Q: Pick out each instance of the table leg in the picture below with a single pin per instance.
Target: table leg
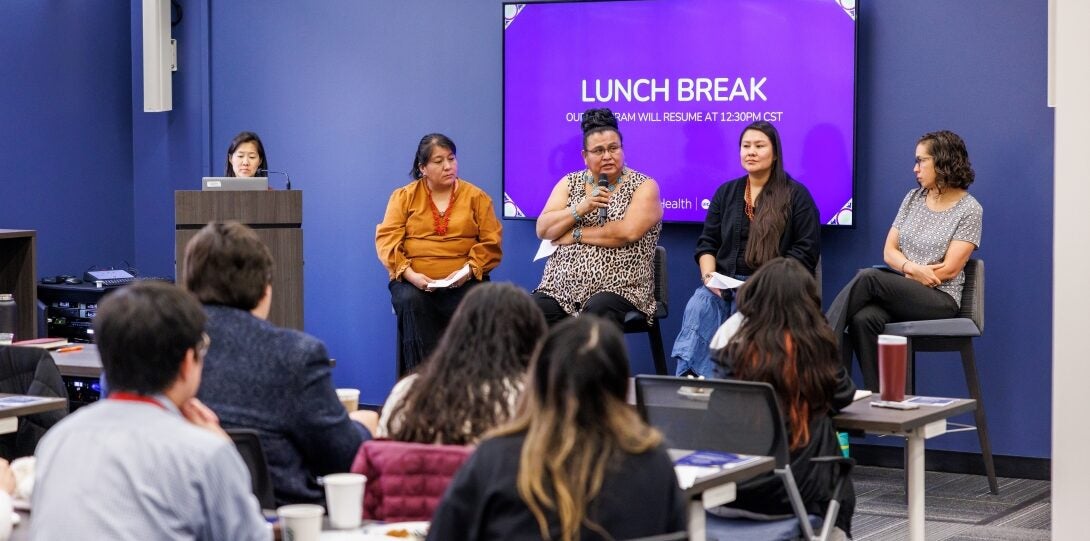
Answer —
(697, 522)
(914, 466)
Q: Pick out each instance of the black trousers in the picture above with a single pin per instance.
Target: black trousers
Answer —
(422, 317)
(878, 297)
(608, 305)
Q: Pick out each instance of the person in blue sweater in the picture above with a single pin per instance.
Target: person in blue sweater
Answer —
(263, 377)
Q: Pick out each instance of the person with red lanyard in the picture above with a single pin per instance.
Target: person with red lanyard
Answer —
(150, 461)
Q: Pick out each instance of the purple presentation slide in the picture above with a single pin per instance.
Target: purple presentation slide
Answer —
(684, 77)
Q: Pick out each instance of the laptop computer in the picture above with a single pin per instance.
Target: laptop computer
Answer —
(234, 184)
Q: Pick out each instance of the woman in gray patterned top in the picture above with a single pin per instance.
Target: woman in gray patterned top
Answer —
(936, 230)
(603, 265)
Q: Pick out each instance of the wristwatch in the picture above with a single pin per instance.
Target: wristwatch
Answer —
(577, 235)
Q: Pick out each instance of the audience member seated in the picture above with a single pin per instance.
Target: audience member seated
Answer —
(576, 462)
(601, 266)
(784, 340)
(26, 370)
(245, 156)
(471, 383)
(150, 461)
(752, 219)
(435, 227)
(259, 376)
(936, 229)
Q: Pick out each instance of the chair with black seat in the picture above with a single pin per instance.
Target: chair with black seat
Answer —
(635, 321)
(955, 334)
(249, 446)
(29, 371)
(738, 417)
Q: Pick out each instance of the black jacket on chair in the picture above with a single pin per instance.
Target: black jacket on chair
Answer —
(30, 371)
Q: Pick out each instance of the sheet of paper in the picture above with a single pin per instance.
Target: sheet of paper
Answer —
(725, 331)
(861, 394)
(721, 281)
(545, 249)
(440, 284)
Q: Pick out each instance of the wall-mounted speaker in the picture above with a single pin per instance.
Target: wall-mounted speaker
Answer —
(159, 56)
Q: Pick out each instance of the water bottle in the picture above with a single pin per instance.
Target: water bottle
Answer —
(9, 314)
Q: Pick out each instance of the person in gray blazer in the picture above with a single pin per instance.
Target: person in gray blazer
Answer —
(263, 377)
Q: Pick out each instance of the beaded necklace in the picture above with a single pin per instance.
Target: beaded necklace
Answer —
(749, 202)
(441, 218)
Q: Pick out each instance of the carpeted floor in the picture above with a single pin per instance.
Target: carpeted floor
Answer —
(958, 507)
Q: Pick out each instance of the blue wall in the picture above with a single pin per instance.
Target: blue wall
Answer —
(66, 131)
(342, 90)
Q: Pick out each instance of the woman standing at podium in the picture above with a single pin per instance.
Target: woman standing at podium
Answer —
(440, 236)
(245, 156)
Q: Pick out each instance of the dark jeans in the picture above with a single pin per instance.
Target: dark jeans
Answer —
(608, 305)
(422, 317)
(878, 297)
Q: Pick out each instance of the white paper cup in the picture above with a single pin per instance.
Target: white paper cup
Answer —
(350, 398)
(344, 499)
(300, 521)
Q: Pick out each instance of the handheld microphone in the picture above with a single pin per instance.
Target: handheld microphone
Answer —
(603, 182)
(287, 179)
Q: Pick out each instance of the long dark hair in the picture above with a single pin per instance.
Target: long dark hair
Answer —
(785, 341)
(952, 167)
(465, 387)
(576, 421)
(770, 220)
(245, 137)
(423, 151)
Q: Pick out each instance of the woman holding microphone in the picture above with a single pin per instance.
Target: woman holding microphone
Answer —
(606, 220)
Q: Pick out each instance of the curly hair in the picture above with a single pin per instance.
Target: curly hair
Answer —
(952, 165)
(467, 385)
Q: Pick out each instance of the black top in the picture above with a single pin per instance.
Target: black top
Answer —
(766, 494)
(639, 497)
(726, 229)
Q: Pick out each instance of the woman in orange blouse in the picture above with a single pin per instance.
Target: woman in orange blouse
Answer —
(437, 228)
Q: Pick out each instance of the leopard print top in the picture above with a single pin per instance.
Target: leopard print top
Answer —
(577, 271)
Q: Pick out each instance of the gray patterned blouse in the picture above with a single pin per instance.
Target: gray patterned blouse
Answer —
(925, 234)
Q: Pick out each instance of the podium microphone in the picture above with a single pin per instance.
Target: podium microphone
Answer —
(603, 182)
(287, 179)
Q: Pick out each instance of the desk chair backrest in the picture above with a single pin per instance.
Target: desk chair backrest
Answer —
(30, 371)
(972, 293)
(715, 415)
(249, 447)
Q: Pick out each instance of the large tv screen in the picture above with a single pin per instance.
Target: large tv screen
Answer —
(684, 77)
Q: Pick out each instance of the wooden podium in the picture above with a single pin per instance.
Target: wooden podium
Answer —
(276, 216)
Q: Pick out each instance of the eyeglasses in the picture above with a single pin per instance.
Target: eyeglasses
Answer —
(598, 152)
(923, 159)
(202, 347)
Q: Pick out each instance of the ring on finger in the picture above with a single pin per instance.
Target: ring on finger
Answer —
(596, 191)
